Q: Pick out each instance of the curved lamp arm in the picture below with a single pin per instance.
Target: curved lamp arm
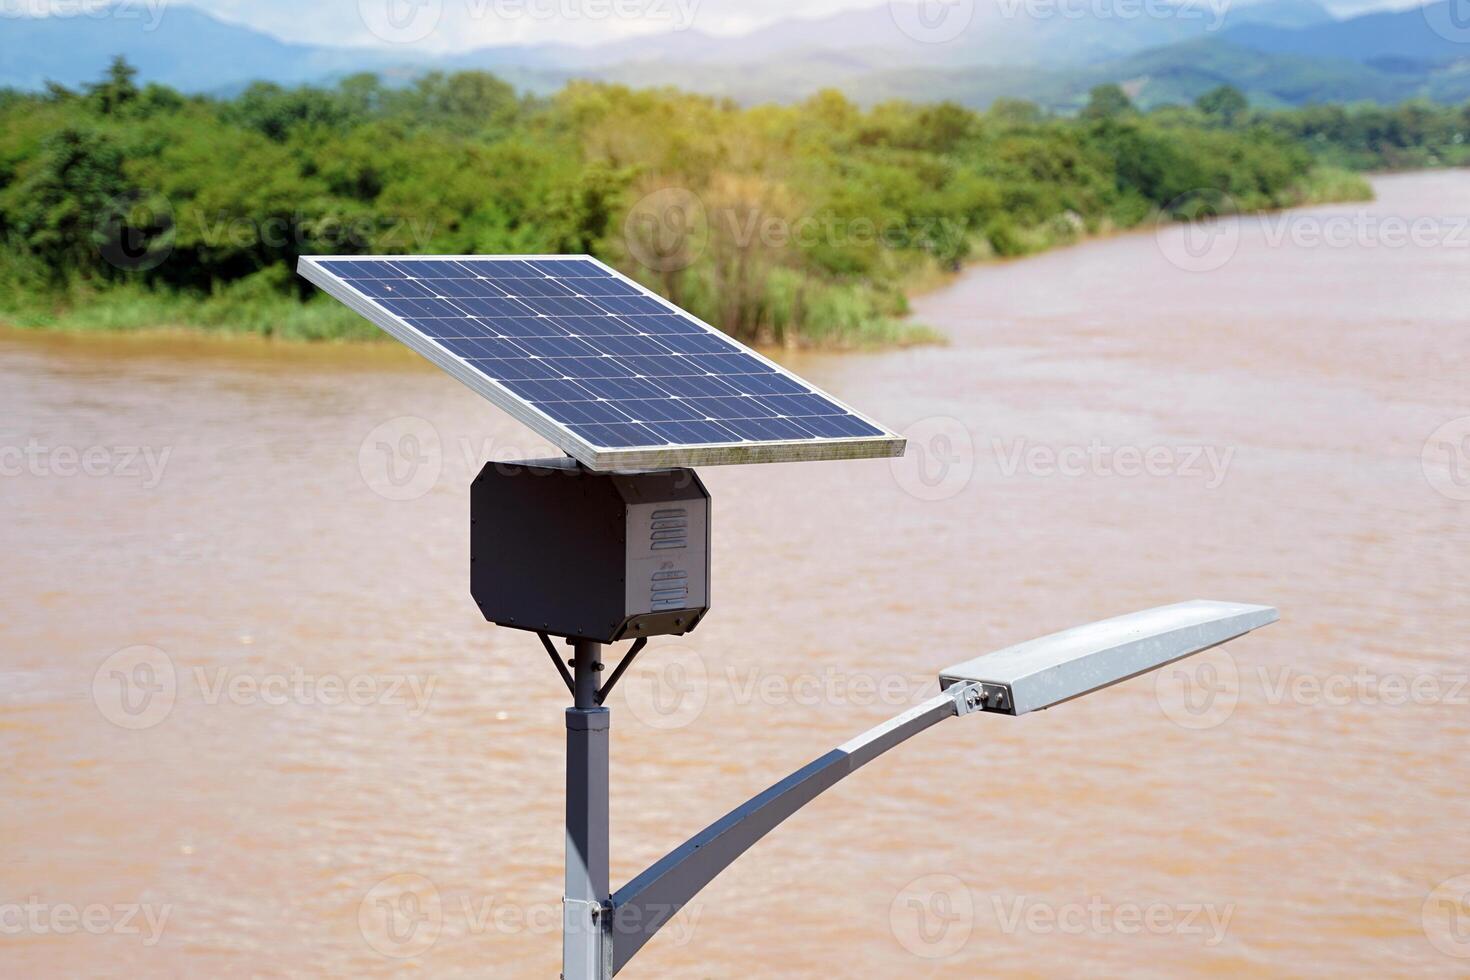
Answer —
(644, 904)
(1026, 677)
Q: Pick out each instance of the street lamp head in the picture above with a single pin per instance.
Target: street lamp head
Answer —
(1046, 671)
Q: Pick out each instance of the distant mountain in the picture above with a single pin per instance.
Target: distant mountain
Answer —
(1279, 52)
(186, 48)
(1177, 74)
(183, 47)
(1181, 73)
(998, 32)
(1281, 13)
(1397, 37)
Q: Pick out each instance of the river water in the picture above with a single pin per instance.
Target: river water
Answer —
(252, 725)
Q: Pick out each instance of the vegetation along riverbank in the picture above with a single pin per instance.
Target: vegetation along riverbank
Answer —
(131, 207)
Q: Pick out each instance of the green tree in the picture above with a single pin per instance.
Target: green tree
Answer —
(117, 91)
(277, 113)
(467, 101)
(1225, 103)
(62, 196)
(1107, 102)
(1015, 111)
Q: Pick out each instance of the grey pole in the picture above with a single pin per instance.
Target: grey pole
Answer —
(584, 954)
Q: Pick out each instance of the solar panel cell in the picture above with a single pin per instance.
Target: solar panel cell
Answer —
(694, 387)
(698, 343)
(613, 436)
(766, 384)
(534, 287)
(455, 287)
(614, 375)
(631, 304)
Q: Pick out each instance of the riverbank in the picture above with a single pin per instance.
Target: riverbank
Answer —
(134, 308)
(125, 208)
(1322, 185)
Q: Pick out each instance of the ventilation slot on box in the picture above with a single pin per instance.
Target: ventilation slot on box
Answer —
(670, 589)
(670, 529)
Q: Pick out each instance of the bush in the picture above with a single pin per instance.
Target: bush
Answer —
(792, 224)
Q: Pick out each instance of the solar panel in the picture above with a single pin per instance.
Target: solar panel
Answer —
(609, 372)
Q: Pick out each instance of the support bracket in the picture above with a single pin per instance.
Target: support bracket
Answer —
(566, 675)
(623, 664)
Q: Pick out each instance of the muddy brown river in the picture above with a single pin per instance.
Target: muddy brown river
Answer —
(251, 723)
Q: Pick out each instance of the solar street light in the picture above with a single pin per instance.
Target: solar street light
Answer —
(612, 543)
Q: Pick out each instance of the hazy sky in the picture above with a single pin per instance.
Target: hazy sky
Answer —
(471, 23)
(464, 24)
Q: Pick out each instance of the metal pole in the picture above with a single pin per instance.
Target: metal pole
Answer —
(585, 955)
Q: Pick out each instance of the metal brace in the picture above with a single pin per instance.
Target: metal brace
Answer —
(972, 696)
(968, 698)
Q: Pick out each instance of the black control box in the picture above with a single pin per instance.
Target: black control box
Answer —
(560, 549)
